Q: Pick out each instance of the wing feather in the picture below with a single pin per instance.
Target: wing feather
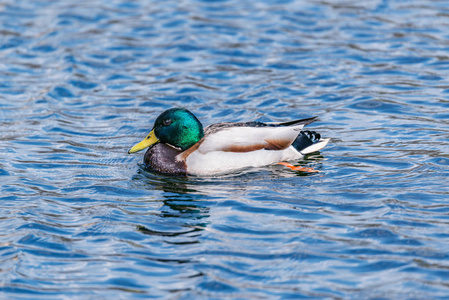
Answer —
(246, 139)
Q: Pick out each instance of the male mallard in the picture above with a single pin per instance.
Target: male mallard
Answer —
(179, 145)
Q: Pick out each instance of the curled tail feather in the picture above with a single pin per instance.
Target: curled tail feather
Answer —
(309, 141)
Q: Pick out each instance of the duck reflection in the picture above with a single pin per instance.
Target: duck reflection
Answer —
(182, 201)
(187, 199)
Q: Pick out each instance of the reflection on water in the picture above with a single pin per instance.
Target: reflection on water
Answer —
(82, 81)
(181, 201)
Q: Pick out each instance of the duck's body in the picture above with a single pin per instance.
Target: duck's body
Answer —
(178, 144)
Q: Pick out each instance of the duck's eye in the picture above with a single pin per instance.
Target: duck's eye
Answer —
(167, 122)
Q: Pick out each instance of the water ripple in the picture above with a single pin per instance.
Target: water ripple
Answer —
(81, 82)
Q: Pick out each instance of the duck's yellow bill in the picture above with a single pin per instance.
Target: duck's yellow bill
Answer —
(151, 139)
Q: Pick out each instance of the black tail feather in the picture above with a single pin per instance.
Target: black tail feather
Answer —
(299, 122)
(305, 139)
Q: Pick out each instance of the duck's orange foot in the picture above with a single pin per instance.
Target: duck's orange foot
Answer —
(298, 168)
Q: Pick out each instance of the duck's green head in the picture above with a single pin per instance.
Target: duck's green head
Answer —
(177, 127)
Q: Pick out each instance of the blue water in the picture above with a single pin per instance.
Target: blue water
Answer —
(82, 81)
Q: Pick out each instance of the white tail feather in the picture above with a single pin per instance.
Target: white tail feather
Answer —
(315, 147)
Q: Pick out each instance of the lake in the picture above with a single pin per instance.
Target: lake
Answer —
(82, 81)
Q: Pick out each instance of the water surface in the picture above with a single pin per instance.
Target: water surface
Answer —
(82, 81)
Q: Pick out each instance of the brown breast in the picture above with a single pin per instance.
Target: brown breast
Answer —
(162, 158)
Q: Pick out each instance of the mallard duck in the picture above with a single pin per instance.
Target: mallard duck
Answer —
(179, 144)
